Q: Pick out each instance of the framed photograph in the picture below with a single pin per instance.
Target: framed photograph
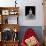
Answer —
(30, 12)
(13, 12)
(5, 12)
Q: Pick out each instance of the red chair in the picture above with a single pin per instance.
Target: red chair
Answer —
(29, 33)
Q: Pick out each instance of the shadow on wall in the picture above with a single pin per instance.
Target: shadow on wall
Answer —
(37, 29)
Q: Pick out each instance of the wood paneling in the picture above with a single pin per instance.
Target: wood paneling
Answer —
(44, 12)
(44, 21)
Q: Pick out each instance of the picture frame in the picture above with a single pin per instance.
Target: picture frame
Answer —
(5, 12)
(13, 12)
(30, 12)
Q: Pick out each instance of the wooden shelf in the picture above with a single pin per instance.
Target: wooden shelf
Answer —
(5, 11)
(11, 26)
(9, 43)
(4, 24)
(5, 8)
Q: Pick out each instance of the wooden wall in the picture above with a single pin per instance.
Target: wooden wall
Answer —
(44, 12)
(44, 21)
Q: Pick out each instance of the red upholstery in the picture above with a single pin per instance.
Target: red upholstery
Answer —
(29, 33)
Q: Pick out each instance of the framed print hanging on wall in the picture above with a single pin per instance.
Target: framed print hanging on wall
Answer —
(30, 12)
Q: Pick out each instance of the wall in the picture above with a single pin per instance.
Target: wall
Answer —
(38, 21)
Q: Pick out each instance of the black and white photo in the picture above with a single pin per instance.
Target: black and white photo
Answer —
(30, 12)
